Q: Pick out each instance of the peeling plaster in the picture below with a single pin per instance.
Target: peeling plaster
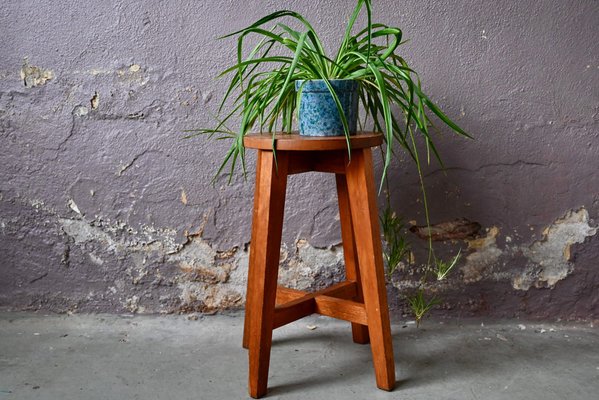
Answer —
(133, 74)
(547, 261)
(484, 256)
(210, 280)
(95, 101)
(207, 280)
(550, 257)
(33, 76)
(118, 237)
(80, 111)
(183, 196)
(73, 206)
(309, 265)
(132, 304)
(215, 281)
(203, 276)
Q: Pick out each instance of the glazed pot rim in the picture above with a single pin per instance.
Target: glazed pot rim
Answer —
(330, 80)
(318, 85)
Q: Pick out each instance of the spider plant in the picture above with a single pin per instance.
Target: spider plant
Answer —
(261, 92)
(261, 96)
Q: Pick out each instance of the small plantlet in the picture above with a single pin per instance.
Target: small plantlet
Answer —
(396, 245)
(420, 306)
(442, 268)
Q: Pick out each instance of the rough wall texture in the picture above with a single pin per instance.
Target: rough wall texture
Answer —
(103, 207)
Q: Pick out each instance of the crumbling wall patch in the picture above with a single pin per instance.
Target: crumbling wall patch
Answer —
(550, 257)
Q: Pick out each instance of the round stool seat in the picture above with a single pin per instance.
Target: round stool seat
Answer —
(296, 142)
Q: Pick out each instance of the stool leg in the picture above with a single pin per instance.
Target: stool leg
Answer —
(264, 257)
(352, 272)
(250, 277)
(360, 183)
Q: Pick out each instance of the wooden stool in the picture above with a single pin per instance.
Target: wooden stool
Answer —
(362, 298)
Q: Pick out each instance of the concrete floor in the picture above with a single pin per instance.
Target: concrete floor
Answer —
(170, 357)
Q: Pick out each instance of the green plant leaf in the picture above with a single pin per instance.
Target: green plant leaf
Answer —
(420, 306)
(442, 268)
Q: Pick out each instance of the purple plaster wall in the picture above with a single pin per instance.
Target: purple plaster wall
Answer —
(103, 206)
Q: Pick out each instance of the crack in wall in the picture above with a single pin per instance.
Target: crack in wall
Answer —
(484, 166)
(72, 130)
(128, 165)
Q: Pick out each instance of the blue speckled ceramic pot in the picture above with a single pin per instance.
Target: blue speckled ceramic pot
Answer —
(318, 113)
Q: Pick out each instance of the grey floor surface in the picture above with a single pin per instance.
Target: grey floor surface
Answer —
(170, 357)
